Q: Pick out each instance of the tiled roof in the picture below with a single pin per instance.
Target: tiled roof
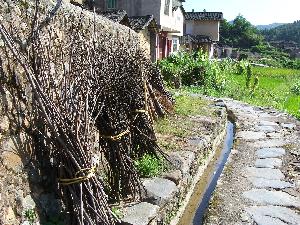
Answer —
(203, 16)
(177, 4)
(138, 23)
(114, 15)
(196, 39)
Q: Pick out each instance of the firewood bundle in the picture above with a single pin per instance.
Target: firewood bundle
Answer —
(88, 79)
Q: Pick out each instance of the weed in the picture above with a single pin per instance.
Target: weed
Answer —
(30, 215)
(296, 88)
(117, 212)
(149, 166)
(248, 76)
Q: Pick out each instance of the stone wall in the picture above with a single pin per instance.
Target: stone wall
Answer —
(26, 181)
(166, 197)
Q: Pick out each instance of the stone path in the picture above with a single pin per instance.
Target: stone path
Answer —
(260, 184)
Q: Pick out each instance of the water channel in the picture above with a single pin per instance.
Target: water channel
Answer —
(199, 201)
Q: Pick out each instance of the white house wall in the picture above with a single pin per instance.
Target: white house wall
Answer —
(178, 18)
(173, 21)
(203, 27)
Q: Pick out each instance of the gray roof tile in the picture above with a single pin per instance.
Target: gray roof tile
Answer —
(203, 16)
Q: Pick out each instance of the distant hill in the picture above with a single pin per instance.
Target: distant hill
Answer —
(269, 26)
(286, 32)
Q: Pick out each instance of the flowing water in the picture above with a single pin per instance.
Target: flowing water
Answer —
(195, 211)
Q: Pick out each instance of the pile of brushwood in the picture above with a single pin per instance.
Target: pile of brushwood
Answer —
(81, 76)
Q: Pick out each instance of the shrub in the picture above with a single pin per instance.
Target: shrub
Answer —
(195, 69)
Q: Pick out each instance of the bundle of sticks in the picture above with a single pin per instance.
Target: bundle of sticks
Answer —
(87, 77)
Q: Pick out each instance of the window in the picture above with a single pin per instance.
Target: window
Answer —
(167, 7)
(111, 4)
(175, 44)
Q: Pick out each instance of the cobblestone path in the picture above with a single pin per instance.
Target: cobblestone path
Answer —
(260, 183)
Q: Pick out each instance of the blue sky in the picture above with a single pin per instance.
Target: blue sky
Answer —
(258, 12)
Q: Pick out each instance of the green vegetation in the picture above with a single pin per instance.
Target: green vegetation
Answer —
(165, 126)
(189, 106)
(195, 69)
(252, 44)
(273, 87)
(30, 216)
(240, 33)
(117, 212)
(149, 166)
(296, 88)
(174, 130)
(286, 32)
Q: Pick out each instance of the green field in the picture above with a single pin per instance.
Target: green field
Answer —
(274, 89)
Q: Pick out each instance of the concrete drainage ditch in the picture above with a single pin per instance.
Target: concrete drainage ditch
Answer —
(182, 195)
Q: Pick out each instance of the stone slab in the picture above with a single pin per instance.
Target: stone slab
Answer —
(250, 135)
(220, 104)
(266, 173)
(198, 142)
(265, 129)
(289, 126)
(269, 143)
(286, 215)
(267, 220)
(159, 190)
(175, 176)
(267, 183)
(139, 214)
(28, 203)
(268, 163)
(274, 135)
(267, 123)
(182, 160)
(265, 197)
(270, 152)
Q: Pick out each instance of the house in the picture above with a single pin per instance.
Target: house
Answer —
(145, 26)
(147, 29)
(223, 51)
(201, 30)
(168, 14)
(118, 16)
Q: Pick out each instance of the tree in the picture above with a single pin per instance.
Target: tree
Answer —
(241, 33)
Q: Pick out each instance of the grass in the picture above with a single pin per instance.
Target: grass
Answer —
(174, 130)
(275, 89)
(190, 106)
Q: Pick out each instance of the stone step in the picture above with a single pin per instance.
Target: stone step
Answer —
(266, 173)
(139, 214)
(265, 197)
(250, 135)
(159, 190)
(283, 214)
(267, 183)
(270, 152)
(268, 163)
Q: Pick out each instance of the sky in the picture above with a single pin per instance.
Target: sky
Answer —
(258, 12)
